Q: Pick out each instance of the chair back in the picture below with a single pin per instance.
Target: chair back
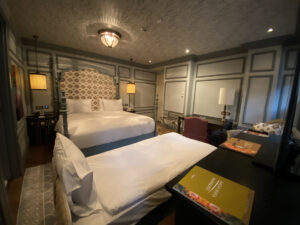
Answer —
(196, 128)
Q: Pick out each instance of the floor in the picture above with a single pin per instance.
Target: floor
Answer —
(36, 155)
(40, 154)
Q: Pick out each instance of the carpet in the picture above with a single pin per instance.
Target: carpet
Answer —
(36, 205)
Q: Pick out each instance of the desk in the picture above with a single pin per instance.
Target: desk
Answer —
(213, 124)
(276, 201)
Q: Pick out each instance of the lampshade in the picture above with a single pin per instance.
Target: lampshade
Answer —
(226, 96)
(38, 81)
(109, 38)
(130, 88)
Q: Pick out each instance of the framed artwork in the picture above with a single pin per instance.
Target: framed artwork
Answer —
(16, 88)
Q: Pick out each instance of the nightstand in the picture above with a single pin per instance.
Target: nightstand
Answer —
(41, 129)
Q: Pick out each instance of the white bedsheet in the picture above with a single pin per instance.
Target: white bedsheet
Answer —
(97, 128)
(128, 174)
(128, 216)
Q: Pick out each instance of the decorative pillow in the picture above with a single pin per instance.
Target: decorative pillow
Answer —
(112, 105)
(77, 177)
(274, 128)
(79, 105)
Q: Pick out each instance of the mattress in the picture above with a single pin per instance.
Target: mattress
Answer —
(129, 174)
(128, 216)
(97, 128)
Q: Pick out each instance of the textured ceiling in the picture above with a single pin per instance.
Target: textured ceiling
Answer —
(203, 26)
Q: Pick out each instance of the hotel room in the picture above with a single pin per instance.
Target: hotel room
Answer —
(109, 107)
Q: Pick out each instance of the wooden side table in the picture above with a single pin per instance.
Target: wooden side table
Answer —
(41, 129)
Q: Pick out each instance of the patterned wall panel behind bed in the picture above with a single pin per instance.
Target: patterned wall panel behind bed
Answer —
(88, 84)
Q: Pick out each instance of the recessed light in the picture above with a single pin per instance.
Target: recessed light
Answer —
(150, 61)
(187, 51)
(270, 30)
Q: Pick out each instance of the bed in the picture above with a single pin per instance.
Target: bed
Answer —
(128, 182)
(99, 130)
(95, 132)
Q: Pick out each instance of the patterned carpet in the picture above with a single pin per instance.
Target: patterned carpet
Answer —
(162, 130)
(36, 204)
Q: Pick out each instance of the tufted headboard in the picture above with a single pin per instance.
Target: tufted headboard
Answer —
(89, 84)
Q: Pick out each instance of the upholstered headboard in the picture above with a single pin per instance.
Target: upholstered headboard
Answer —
(88, 84)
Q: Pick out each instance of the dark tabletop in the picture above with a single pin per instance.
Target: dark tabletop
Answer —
(277, 198)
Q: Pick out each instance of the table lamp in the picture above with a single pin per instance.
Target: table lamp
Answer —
(226, 97)
(130, 90)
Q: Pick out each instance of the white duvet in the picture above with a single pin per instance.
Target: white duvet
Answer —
(126, 175)
(97, 128)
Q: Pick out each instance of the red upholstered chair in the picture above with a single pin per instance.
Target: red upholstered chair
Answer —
(196, 128)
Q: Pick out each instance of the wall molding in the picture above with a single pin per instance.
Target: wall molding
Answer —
(285, 76)
(150, 80)
(267, 99)
(185, 92)
(223, 60)
(42, 52)
(287, 58)
(145, 107)
(237, 113)
(176, 66)
(124, 67)
(78, 65)
(262, 53)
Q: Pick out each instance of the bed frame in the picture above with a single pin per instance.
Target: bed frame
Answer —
(62, 106)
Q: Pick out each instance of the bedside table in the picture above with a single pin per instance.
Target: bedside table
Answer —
(41, 129)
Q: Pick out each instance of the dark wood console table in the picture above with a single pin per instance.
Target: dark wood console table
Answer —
(276, 201)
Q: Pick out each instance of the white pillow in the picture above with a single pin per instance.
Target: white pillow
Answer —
(77, 177)
(112, 105)
(79, 105)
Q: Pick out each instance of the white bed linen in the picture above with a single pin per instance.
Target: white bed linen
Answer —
(128, 216)
(128, 174)
(97, 128)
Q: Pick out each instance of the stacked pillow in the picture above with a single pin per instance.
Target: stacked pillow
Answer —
(77, 177)
(270, 128)
(79, 105)
(85, 105)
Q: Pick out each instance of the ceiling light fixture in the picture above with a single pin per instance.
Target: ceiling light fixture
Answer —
(187, 51)
(270, 30)
(109, 38)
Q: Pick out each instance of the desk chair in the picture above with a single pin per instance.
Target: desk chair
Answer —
(196, 128)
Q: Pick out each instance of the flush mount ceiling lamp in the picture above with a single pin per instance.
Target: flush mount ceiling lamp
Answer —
(109, 38)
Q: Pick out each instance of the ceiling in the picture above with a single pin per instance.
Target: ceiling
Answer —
(203, 26)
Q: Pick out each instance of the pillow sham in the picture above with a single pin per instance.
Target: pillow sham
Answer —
(79, 105)
(77, 177)
(273, 128)
(112, 105)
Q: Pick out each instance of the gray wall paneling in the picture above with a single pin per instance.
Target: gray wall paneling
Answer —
(52, 61)
(216, 73)
(15, 57)
(208, 95)
(175, 96)
(176, 101)
(262, 73)
(257, 99)
(228, 66)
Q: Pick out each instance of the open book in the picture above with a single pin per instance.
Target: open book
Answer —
(223, 198)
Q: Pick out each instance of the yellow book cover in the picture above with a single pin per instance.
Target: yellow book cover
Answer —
(229, 201)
